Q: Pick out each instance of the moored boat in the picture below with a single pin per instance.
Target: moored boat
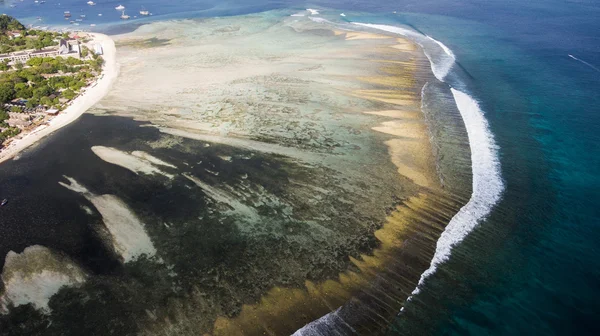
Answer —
(4, 201)
(120, 7)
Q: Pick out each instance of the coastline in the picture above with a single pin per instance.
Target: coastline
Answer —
(370, 209)
(79, 105)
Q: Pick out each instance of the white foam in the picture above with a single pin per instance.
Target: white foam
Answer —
(584, 62)
(342, 14)
(443, 46)
(441, 64)
(35, 275)
(127, 235)
(487, 182)
(319, 19)
(313, 328)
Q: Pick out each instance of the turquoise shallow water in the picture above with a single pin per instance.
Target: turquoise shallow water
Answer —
(532, 266)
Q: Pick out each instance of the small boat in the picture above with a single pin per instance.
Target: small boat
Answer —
(82, 15)
(144, 12)
(67, 14)
(124, 16)
(120, 7)
(4, 201)
(78, 20)
(91, 3)
(100, 14)
(93, 25)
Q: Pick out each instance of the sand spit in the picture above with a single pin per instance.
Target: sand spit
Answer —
(86, 100)
(128, 237)
(245, 144)
(35, 275)
(138, 162)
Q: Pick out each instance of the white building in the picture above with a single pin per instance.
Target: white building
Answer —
(98, 49)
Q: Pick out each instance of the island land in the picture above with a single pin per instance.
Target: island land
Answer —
(47, 80)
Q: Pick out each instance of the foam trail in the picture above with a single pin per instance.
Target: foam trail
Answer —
(584, 62)
(441, 63)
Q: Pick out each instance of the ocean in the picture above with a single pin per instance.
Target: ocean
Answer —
(528, 262)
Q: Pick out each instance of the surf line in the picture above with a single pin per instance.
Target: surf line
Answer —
(584, 62)
(487, 179)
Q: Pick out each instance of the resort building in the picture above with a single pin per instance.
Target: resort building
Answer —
(13, 34)
(20, 120)
(66, 48)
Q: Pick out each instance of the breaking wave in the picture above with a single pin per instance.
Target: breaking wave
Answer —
(487, 182)
(487, 179)
(441, 62)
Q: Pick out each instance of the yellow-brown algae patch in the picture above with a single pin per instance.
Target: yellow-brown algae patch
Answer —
(404, 45)
(411, 158)
(282, 310)
(402, 128)
(397, 114)
(388, 81)
(386, 96)
(364, 36)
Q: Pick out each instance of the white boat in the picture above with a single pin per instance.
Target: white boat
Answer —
(144, 12)
(93, 25)
(120, 7)
(124, 16)
(91, 3)
(100, 14)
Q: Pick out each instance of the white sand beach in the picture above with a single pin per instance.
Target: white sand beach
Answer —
(81, 104)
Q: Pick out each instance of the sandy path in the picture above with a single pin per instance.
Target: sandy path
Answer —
(86, 100)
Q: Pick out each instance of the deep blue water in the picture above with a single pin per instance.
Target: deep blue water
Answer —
(532, 266)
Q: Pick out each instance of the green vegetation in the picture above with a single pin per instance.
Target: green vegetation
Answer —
(29, 39)
(6, 131)
(47, 81)
(9, 23)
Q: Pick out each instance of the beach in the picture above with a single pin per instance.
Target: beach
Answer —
(78, 106)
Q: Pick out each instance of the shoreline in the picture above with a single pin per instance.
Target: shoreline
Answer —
(82, 103)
